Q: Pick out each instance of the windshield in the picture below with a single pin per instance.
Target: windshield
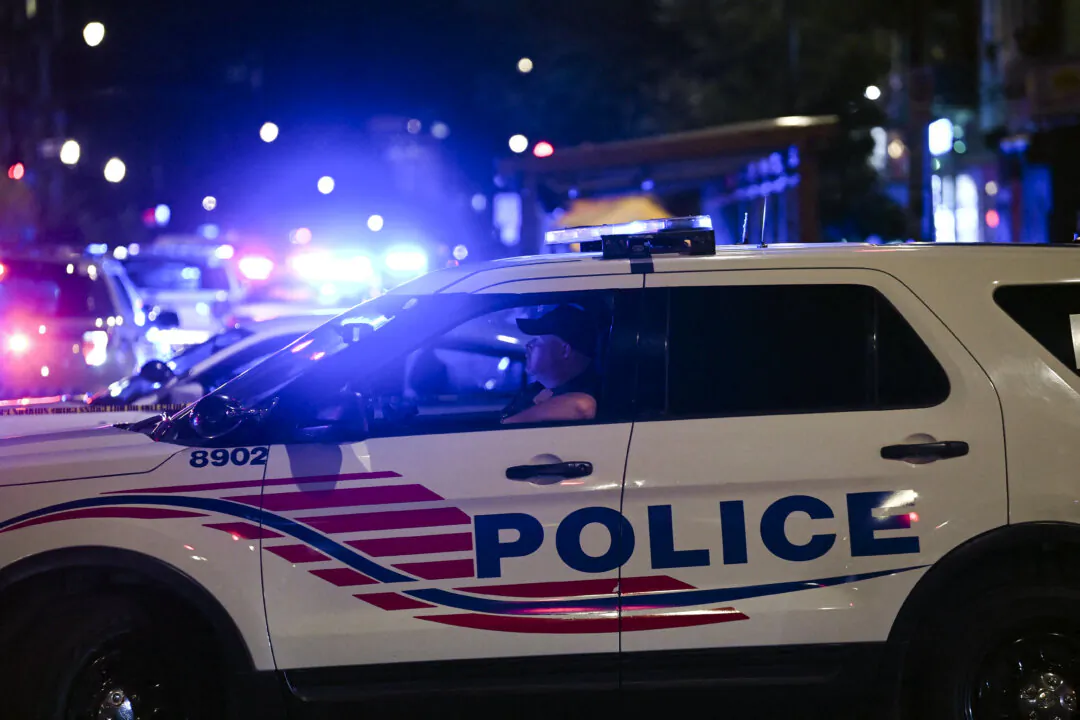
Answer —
(53, 289)
(155, 273)
(399, 321)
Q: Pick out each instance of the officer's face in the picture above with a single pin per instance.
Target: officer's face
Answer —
(544, 353)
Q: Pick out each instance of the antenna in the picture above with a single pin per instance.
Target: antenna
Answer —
(745, 228)
(764, 213)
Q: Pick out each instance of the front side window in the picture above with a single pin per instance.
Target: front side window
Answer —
(785, 349)
(411, 365)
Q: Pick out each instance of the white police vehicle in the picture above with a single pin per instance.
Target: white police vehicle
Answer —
(806, 464)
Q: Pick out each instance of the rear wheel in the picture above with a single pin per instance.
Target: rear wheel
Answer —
(111, 658)
(1008, 653)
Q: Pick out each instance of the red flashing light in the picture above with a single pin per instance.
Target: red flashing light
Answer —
(993, 219)
(16, 171)
(543, 149)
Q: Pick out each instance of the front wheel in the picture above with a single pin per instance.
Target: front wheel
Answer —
(110, 658)
(1010, 653)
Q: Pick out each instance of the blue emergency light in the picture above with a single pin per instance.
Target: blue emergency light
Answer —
(642, 238)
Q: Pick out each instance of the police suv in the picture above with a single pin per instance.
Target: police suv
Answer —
(801, 464)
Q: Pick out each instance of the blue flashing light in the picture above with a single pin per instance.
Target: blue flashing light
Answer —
(636, 227)
(97, 249)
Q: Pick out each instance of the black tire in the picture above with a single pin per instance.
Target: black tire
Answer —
(111, 648)
(979, 658)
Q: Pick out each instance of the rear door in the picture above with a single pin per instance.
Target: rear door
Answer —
(811, 441)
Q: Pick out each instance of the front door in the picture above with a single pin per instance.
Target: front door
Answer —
(430, 539)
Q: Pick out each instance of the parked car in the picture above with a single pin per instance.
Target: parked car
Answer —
(69, 324)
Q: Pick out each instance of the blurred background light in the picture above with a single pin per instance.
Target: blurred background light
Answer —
(93, 33)
(268, 132)
(543, 149)
(525, 65)
(209, 203)
(873, 92)
(940, 136)
(406, 260)
(460, 252)
(115, 170)
(302, 236)
(440, 130)
(375, 223)
(326, 184)
(414, 126)
(162, 215)
(479, 202)
(519, 143)
(224, 252)
(70, 152)
(256, 267)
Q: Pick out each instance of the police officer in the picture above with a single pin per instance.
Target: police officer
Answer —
(560, 356)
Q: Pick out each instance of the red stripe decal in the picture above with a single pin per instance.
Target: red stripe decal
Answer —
(343, 577)
(256, 483)
(654, 583)
(130, 513)
(569, 588)
(572, 626)
(414, 545)
(393, 601)
(245, 531)
(315, 499)
(297, 553)
(392, 520)
(441, 570)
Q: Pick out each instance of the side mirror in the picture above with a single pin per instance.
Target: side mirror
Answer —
(353, 331)
(156, 371)
(216, 416)
(166, 320)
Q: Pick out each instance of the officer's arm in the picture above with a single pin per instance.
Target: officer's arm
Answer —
(562, 408)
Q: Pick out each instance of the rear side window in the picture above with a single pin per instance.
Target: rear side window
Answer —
(1050, 314)
(754, 350)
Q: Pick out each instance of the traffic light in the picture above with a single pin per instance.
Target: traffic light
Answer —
(16, 171)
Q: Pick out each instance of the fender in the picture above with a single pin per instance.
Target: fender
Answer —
(151, 570)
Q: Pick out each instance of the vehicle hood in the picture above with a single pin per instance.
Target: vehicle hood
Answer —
(76, 453)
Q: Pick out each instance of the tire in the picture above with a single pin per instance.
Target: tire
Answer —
(991, 656)
(110, 656)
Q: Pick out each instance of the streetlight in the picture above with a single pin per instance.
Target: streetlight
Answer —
(873, 92)
(326, 184)
(268, 132)
(209, 203)
(70, 152)
(525, 65)
(375, 223)
(93, 33)
(115, 170)
(519, 143)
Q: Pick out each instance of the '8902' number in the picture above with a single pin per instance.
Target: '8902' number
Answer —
(222, 457)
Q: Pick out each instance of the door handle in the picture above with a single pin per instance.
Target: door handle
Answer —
(942, 450)
(550, 470)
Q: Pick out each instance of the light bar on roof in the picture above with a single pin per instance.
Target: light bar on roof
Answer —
(641, 238)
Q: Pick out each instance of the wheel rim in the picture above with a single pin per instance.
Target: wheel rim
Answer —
(125, 680)
(1033, 676)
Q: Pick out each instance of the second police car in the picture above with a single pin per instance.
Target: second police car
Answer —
(783, 464)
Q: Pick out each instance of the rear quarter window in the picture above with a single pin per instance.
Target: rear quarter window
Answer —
(1050, 314)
